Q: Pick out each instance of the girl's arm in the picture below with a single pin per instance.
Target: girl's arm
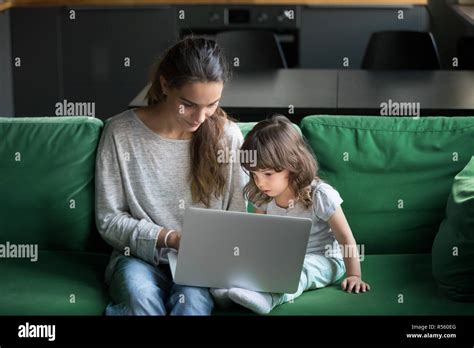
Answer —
(343, 234)
(258, 211)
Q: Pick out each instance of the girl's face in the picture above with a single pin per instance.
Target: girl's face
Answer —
(193, 103)
(270, 182)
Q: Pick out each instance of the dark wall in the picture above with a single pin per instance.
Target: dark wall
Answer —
(99, 44)
(79, 54)
(85, 55)
(328, 34)
(448, 26)
(6, 78)
(35, 36)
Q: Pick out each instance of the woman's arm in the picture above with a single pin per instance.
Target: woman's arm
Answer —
(345, 238)
(114, 222)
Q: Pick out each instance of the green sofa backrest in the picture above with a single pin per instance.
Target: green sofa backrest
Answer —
(393, 173)
(246, 127)
(47, 182)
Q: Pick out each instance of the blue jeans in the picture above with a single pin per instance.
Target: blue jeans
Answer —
(138, 288)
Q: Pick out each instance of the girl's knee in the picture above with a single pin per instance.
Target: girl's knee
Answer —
(322, 271)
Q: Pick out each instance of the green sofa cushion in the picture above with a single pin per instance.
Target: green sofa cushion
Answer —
(390, 276)
(453, 247)
(39, 291)
(394, 173)
(246, 127)
(47, 171)
(45, 287)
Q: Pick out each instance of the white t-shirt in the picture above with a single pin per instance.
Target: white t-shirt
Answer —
(325, 202)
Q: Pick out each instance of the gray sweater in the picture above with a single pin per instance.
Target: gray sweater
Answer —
(142, 185)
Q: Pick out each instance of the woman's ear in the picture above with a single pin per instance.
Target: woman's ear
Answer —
(164, 85)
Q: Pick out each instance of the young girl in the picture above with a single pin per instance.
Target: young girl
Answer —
(284, 182)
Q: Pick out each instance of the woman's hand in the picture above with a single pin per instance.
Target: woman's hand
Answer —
(174, 239)
(355, 283)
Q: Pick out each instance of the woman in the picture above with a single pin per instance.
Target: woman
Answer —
(153, 163)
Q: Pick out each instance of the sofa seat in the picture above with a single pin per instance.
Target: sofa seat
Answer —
(41, 291)
(389, 275)
(44, 287)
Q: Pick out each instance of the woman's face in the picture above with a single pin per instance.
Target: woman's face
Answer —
(193, 103)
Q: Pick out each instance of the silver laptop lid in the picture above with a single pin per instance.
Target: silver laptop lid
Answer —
(225, 249)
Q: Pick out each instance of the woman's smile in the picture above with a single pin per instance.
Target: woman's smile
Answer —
(193, 124)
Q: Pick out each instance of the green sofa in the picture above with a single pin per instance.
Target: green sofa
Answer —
(394, 174)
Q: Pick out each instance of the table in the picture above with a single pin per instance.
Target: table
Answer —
(439, 93)
(251, 96)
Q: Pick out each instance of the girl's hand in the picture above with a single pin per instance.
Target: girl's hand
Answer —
(355, 283)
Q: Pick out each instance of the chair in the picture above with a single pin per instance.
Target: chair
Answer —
(256, 49)
(466, 52)
(401, 50)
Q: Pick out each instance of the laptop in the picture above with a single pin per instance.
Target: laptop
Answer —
(226, 249)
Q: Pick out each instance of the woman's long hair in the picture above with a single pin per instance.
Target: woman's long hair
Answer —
(197, 60)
